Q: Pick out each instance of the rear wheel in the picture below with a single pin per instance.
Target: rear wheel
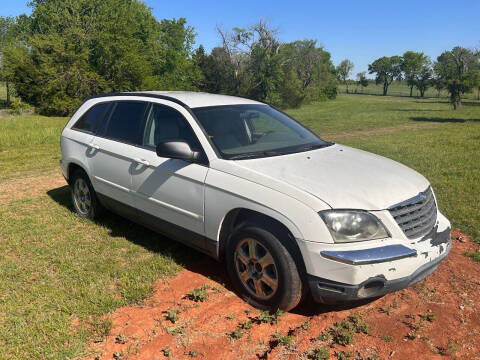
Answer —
(84, 198)
(262, 269)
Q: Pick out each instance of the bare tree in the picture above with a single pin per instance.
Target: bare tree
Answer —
(248, 49)
(236, 46)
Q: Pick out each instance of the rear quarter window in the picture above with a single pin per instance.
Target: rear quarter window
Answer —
(89, 121)
(126, 121)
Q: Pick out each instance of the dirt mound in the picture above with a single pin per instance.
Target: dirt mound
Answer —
(437, 318)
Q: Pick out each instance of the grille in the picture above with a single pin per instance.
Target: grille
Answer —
(416, 216)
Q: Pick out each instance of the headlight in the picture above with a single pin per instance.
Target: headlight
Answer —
(351, 225)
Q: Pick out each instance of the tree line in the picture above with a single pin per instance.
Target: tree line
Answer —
(456, 70)
(67, 50)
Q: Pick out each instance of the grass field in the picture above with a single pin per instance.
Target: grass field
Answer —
(29, 144)
(59, 273)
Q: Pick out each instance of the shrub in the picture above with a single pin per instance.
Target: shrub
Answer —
(236, 334)
(198, 294)
(319, 354)
(284, 340)
(172, 315)
(267, 317)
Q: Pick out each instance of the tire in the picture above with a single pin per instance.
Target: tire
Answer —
(84, 198)
(266, 278)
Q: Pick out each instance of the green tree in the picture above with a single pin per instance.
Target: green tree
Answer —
(458, 70)
(438, 84)
(173, 65)
(362, 79)
(417, 71)
(423, 78)
(477, 53)
(253, 62)
(308, 72)
(386, 69)
(7, 37)
(264, 67)
(411, 65)
(344, 69)
(74, 48)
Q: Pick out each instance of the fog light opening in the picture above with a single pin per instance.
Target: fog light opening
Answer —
(371, 289)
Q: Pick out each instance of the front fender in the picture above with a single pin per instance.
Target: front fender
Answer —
(225, 192)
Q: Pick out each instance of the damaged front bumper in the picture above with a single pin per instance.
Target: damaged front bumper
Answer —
(373, 267)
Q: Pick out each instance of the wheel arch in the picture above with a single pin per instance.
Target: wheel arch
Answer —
(243, 216)
(72, 166)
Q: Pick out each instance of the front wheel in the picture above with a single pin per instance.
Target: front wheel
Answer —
(262, 270)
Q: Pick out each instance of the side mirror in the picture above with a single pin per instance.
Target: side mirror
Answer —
(177, 150)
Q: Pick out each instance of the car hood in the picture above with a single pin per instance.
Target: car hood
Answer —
(343, 177)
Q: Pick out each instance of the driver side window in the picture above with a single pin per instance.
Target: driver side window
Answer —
(167, 124)
(260, 123)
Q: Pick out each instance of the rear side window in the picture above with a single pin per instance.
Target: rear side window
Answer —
(126, 120)
(91, 119)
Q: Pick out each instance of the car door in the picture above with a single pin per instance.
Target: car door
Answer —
(170, 192)
(111, 158)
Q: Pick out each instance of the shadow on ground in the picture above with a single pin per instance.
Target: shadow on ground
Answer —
(468, 102)
(186, 257)
(471, 103)
(416, 110)
(440, 120)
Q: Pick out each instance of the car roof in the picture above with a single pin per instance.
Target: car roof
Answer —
(190, 98)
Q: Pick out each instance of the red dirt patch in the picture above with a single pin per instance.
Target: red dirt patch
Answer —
(203, 329)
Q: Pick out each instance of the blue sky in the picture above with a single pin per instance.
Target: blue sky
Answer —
(359, 30)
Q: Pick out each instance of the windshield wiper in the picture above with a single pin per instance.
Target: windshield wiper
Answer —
(248, 155)
(316, 146)
(297, 150)
(278, 152)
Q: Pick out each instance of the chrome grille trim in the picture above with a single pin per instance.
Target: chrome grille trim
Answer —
(416, 216)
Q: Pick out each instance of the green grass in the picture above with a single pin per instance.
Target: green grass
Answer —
(29, 144)
(475, 255)
(58, 270)
(60, 275)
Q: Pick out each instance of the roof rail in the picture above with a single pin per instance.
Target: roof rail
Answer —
(145, 94)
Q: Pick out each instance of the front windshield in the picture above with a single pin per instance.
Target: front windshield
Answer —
(248, 131)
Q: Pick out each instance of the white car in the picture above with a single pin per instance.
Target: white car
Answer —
(288, 213)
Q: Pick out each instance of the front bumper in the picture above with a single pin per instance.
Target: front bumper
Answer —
(380, 270)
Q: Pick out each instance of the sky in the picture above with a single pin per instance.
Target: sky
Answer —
(361, 31)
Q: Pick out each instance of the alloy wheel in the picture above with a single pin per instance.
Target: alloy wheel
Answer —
(256, 268)
(81, 196)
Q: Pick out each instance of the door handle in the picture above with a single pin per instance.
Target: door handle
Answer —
(95, 146)
(142, 161)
